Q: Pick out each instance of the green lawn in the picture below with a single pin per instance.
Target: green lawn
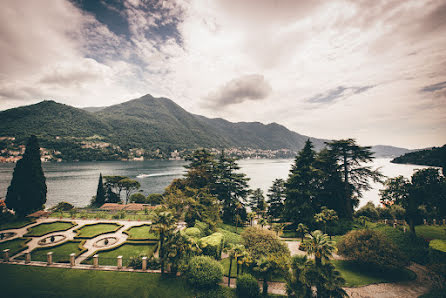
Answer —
(93, 230)
(15, 246)
(61, 253)
(438, 244)
(357, 276)
(46, 228)
(16, 224)
(431, 232)
(30, 281)
(138, 215)
(126, 250)
(141, 233)
(232, 228)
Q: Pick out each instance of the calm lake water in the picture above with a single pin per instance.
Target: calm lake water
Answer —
(76, 182)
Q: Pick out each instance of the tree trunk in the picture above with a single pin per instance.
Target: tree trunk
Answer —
(229, 273)
(238, 266)
(412, 226)
(265, 286)
(162, 253)
(318, 262)
(348, 203)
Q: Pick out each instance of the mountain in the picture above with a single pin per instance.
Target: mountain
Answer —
(389, 151)
(149, 123)
(435, 156)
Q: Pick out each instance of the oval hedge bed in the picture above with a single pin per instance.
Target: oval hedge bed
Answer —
(127, 250)
(140, 233)
(96, 229)
(49, 227)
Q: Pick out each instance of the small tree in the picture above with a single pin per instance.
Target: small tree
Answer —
(302, 230)
(27, 192)
(320, 246)
(247, 286)
(100, 197)
(138, 198)
(155, 199)
(326, 216)
(163, 224)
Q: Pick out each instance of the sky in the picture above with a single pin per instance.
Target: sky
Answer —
(370, 70)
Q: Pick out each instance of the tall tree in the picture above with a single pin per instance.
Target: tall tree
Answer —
(27, 192)
(114, 183)
(276, 195)
(129, 186)
(302, 187)
(163, 224)
(99, 199)
(257, 201)
(230, 187)
(200, 170)
(351, 159)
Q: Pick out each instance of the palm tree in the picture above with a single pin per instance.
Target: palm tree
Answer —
(266, 266)
(278, 228)
(296, 283)
(251, 216)
(239, 251)
(163, 223)
(263, 222)
(332, 282)
(302, 230)
(319, 245)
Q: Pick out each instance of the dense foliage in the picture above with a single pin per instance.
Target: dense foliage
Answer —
(247, 286)
(435, 156)
(27, 192)
(372, 248)
(204, 272)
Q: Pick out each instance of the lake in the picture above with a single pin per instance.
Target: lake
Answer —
(76, 182)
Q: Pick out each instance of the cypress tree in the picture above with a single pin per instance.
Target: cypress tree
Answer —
(27, 192)
(100, 193)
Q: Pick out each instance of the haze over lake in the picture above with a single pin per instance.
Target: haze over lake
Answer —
(76, 182)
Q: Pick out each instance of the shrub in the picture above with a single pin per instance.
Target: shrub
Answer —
(230, 237)
(204, 228)
(193, 232)
(212, 245)
(204, 272)
(247, 286)
(371, 248)
(153, 263)
(135, 262)
(262, 243)
(138, 198)
(154, 199)
(368, 210)
(62, 206)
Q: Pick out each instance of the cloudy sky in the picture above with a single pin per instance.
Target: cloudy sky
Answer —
(371, 70)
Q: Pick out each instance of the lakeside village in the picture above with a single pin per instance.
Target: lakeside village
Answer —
(95, 149)
(210, 233)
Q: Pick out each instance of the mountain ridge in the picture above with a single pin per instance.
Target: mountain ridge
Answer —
(148, 122)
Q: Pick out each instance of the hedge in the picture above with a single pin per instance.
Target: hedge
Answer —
(204, 272)
(212, 245)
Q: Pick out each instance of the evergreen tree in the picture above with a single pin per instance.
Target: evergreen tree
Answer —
(230, 187)
(276, 195)
(99, 199)
(257, 201)
(351, 158)
(302, 187)
(200, 170)
(27, 192)
(111, 196)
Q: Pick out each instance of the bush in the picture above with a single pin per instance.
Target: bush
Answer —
(193, 232)
(154, 199)
(263, 243)
(368, 210)
(247, 286)
(204, 228)
(230, 237)
(153, 263)
(62, 206)
(135, 262)
(204, 272)
(212, 245)
(138, 198)
(371, 248)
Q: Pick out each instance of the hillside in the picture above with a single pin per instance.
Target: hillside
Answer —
(146, 123)
(435, 156)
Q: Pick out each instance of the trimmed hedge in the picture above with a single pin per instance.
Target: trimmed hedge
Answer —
(247, 286)
(230, 237)
(204, 272)
(212, 245)
(34, 231)
(79, 230)
(193, 232)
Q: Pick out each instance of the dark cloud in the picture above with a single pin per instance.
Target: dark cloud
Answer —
(434, 87)
(338, 92)
(248, 87)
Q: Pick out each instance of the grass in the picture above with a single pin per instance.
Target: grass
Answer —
(30, 281)
(141, 232)
(438, 244)
(126, 250)
(138, 215)
(232, 228)
(431, 232)
(93, 230)
(16, 224)
(46, 228)
(15, 246)
(61, 253)
(357, 276)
